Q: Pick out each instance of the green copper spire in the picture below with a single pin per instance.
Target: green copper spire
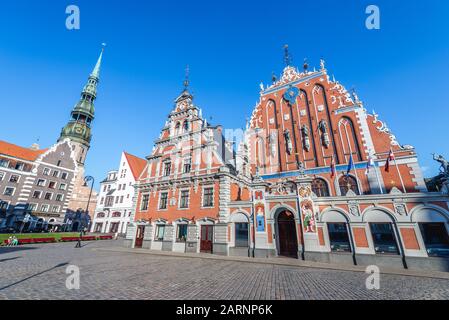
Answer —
(78, 129)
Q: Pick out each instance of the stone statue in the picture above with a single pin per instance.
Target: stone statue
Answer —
(322, 126)
(322, 64)
(444, 164)
(288, 141)
(301, 168)
(305, 136)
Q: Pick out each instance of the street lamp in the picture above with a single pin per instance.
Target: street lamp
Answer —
(87, 179)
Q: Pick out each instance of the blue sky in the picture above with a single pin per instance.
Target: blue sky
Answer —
(231, 46)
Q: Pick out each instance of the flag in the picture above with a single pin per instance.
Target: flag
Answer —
(389, 160)
(350, 165)
(369, 165)
(333, 168)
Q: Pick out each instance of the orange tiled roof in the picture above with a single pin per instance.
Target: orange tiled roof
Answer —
(15, 151)
(137, 164)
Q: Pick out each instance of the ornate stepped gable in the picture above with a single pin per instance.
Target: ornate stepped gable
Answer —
(188, 155)
(306, 119)
(187, 137)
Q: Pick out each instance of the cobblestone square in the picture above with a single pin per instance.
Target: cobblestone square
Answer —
(39, 272)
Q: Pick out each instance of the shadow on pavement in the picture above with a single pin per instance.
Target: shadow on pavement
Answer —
(4, 250)
(8, 259)
(35, 275)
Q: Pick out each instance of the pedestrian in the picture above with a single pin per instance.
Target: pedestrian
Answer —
(9, 242)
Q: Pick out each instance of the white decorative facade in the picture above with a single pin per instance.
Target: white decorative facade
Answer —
(115, 200)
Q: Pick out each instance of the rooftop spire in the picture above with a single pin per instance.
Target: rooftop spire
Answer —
(186, 80)
(287, 58)
(96, 72)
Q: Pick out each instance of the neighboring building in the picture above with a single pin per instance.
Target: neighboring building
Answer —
(39, 187)
(115, 200)
(316, 178)
(35, 182)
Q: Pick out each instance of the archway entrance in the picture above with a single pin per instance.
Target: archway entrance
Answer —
(287, 237)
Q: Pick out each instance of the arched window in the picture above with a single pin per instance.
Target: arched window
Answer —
(177, 128)
(349, 138)
(186, 126)
(347, 183)
(320, 188)
(100, 215)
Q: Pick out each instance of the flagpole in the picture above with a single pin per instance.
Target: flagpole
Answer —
(356, 175)
(359, 182)
(375, 167)
(399, 173)
(378, 178)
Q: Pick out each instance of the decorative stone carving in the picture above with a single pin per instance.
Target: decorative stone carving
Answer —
(283, 187)
(354, 208)
(395, 190)
(400, 209)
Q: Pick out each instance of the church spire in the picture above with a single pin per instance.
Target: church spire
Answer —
(96, 72)
(78, 129)
(187, 81)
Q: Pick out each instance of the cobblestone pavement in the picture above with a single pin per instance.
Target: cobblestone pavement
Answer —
(39, 272)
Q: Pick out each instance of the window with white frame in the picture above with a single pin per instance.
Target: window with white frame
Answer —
(145, 202)
(167, 169)
(45, 207)
(184, 199)
(48, 196)
(187, 165)
(55, 209)
(14, 178)
(37, 194)
(181, 233)
(9, 191)
(62, 186)
(56, 173)
(46, 172)
(2, 175)
(208, 197)
(32, 207)
(52, 185)
(64, 176)
(41, 182)
(160, 232)
(4, 163)
(59, 197)
(163, 201)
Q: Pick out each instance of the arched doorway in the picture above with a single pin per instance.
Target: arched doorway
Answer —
(287, 237)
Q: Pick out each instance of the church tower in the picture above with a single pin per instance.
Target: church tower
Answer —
(78, 129)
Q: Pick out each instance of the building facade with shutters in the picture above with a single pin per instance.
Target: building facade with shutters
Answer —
(316, 177)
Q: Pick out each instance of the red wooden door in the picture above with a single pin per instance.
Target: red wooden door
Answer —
(139, 236)
(207, 233)
(288, 243)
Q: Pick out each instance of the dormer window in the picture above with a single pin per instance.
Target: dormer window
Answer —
(187, 165)
(178, 128)
(167, 169)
